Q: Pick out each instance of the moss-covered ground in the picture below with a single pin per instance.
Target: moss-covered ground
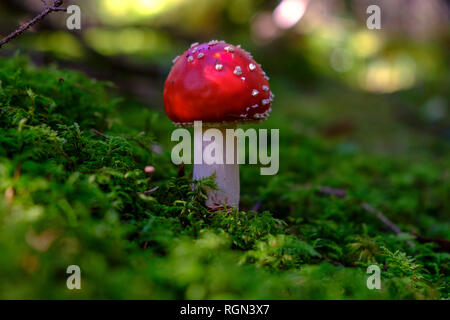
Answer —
(72, 182)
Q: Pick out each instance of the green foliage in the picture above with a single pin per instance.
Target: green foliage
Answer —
(281, 252)
(72, 191)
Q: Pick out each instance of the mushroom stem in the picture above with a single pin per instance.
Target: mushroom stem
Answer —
(227, 175)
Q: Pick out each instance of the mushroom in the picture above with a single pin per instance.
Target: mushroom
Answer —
(222, 86)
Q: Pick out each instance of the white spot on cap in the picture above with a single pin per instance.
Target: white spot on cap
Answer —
(255, 92)
(255, 106)
(243, 78)
(194, 44)
(265, 101)
(228, 49)
(190, 58)
(200, 55)
(213, 42)
(251, 66)
(237, 71)
(175, 59)
(265, 88)
(267, 78)
(219, 67)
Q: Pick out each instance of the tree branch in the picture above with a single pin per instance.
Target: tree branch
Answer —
(393, 227)
(48, 9)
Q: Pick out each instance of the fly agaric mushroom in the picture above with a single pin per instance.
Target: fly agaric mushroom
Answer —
(222, 86)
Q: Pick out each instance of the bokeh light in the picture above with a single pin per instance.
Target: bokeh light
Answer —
(385, 76)
(341, 60)
(263, 28)
(127, 41)
(365, 43)
(289, 12)
(125, 11)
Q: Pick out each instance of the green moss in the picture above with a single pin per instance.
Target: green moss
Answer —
(72, 185)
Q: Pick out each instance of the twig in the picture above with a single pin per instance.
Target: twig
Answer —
(48, 9)
(385, 220)
(147, 192)
(340, 193)
(151, 190)
(442, 243)
(382, 217)
(101, 134)
(257, 205)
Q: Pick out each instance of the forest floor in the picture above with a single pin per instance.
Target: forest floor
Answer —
(356, 187)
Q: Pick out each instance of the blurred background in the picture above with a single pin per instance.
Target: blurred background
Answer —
(384, 91)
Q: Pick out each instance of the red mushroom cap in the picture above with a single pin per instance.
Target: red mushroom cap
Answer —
(216, 82)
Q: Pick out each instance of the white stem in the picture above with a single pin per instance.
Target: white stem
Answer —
(227, 177)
